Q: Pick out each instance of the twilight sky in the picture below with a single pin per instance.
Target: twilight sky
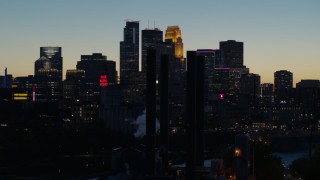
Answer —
(277, 34)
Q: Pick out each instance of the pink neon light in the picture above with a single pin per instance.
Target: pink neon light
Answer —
(34, 93)
(103, 81)
(221, 96)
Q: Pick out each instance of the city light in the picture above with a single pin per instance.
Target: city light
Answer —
(103, 81)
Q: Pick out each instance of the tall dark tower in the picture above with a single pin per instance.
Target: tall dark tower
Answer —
(48, 74)
(53, 54)
(150, 39)
(5, 78)
(129, 52)
(164, 111)
(194, 114)
(283, 84)
(151, 111)
(232, 52)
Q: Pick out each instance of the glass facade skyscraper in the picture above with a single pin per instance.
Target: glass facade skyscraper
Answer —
(53, 54)
(232, 52)
(151, 38)
(129, 51)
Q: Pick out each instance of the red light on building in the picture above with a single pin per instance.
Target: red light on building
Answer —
(103, 81)
(221, 96)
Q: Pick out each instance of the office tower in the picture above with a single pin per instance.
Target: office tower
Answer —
(232, 52)
(96, 66)
(129, 52)
(73, 84)
(151, 38)
(267, 92)
(151, 111)
(194, 113)
(209, 65)
(99, 73)
(250, 85)
(173, 34)
(47, 80)
(283, 80)
(53, 54)
(283, 84)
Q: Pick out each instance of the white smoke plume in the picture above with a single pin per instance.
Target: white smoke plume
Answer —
(141, 125)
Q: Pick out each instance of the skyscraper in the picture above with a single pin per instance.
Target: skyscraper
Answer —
(96, 65)
(151, 38)
(53, 54)
(48, 74)
(232, 52)
(129, 52)
(173, 34)
(283, 80)
(283, 85)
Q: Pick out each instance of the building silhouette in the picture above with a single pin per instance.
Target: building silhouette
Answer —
(194, 114)
(232, 52)
(47, 79)
(129, 52)
(151, 38)
(283, 84)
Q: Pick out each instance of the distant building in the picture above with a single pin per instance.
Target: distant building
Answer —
(308, 97)
(151, 38)
(267, 92)
(250, 85)
(74, 85)
(232, 52)
(53, 54)
(129, 52)
(47, 80)
(96, 65)
(6, 81)
(173, 34)
(283, 79)
(210, 59)
(283, 84)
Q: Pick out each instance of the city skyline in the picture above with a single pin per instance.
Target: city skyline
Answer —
(276, 35)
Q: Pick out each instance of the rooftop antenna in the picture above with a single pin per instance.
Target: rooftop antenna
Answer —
(154, 24)
(148, 24)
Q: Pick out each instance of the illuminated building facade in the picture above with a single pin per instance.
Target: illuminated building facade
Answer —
(173, 34)
(53, 54)
(47, 80)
